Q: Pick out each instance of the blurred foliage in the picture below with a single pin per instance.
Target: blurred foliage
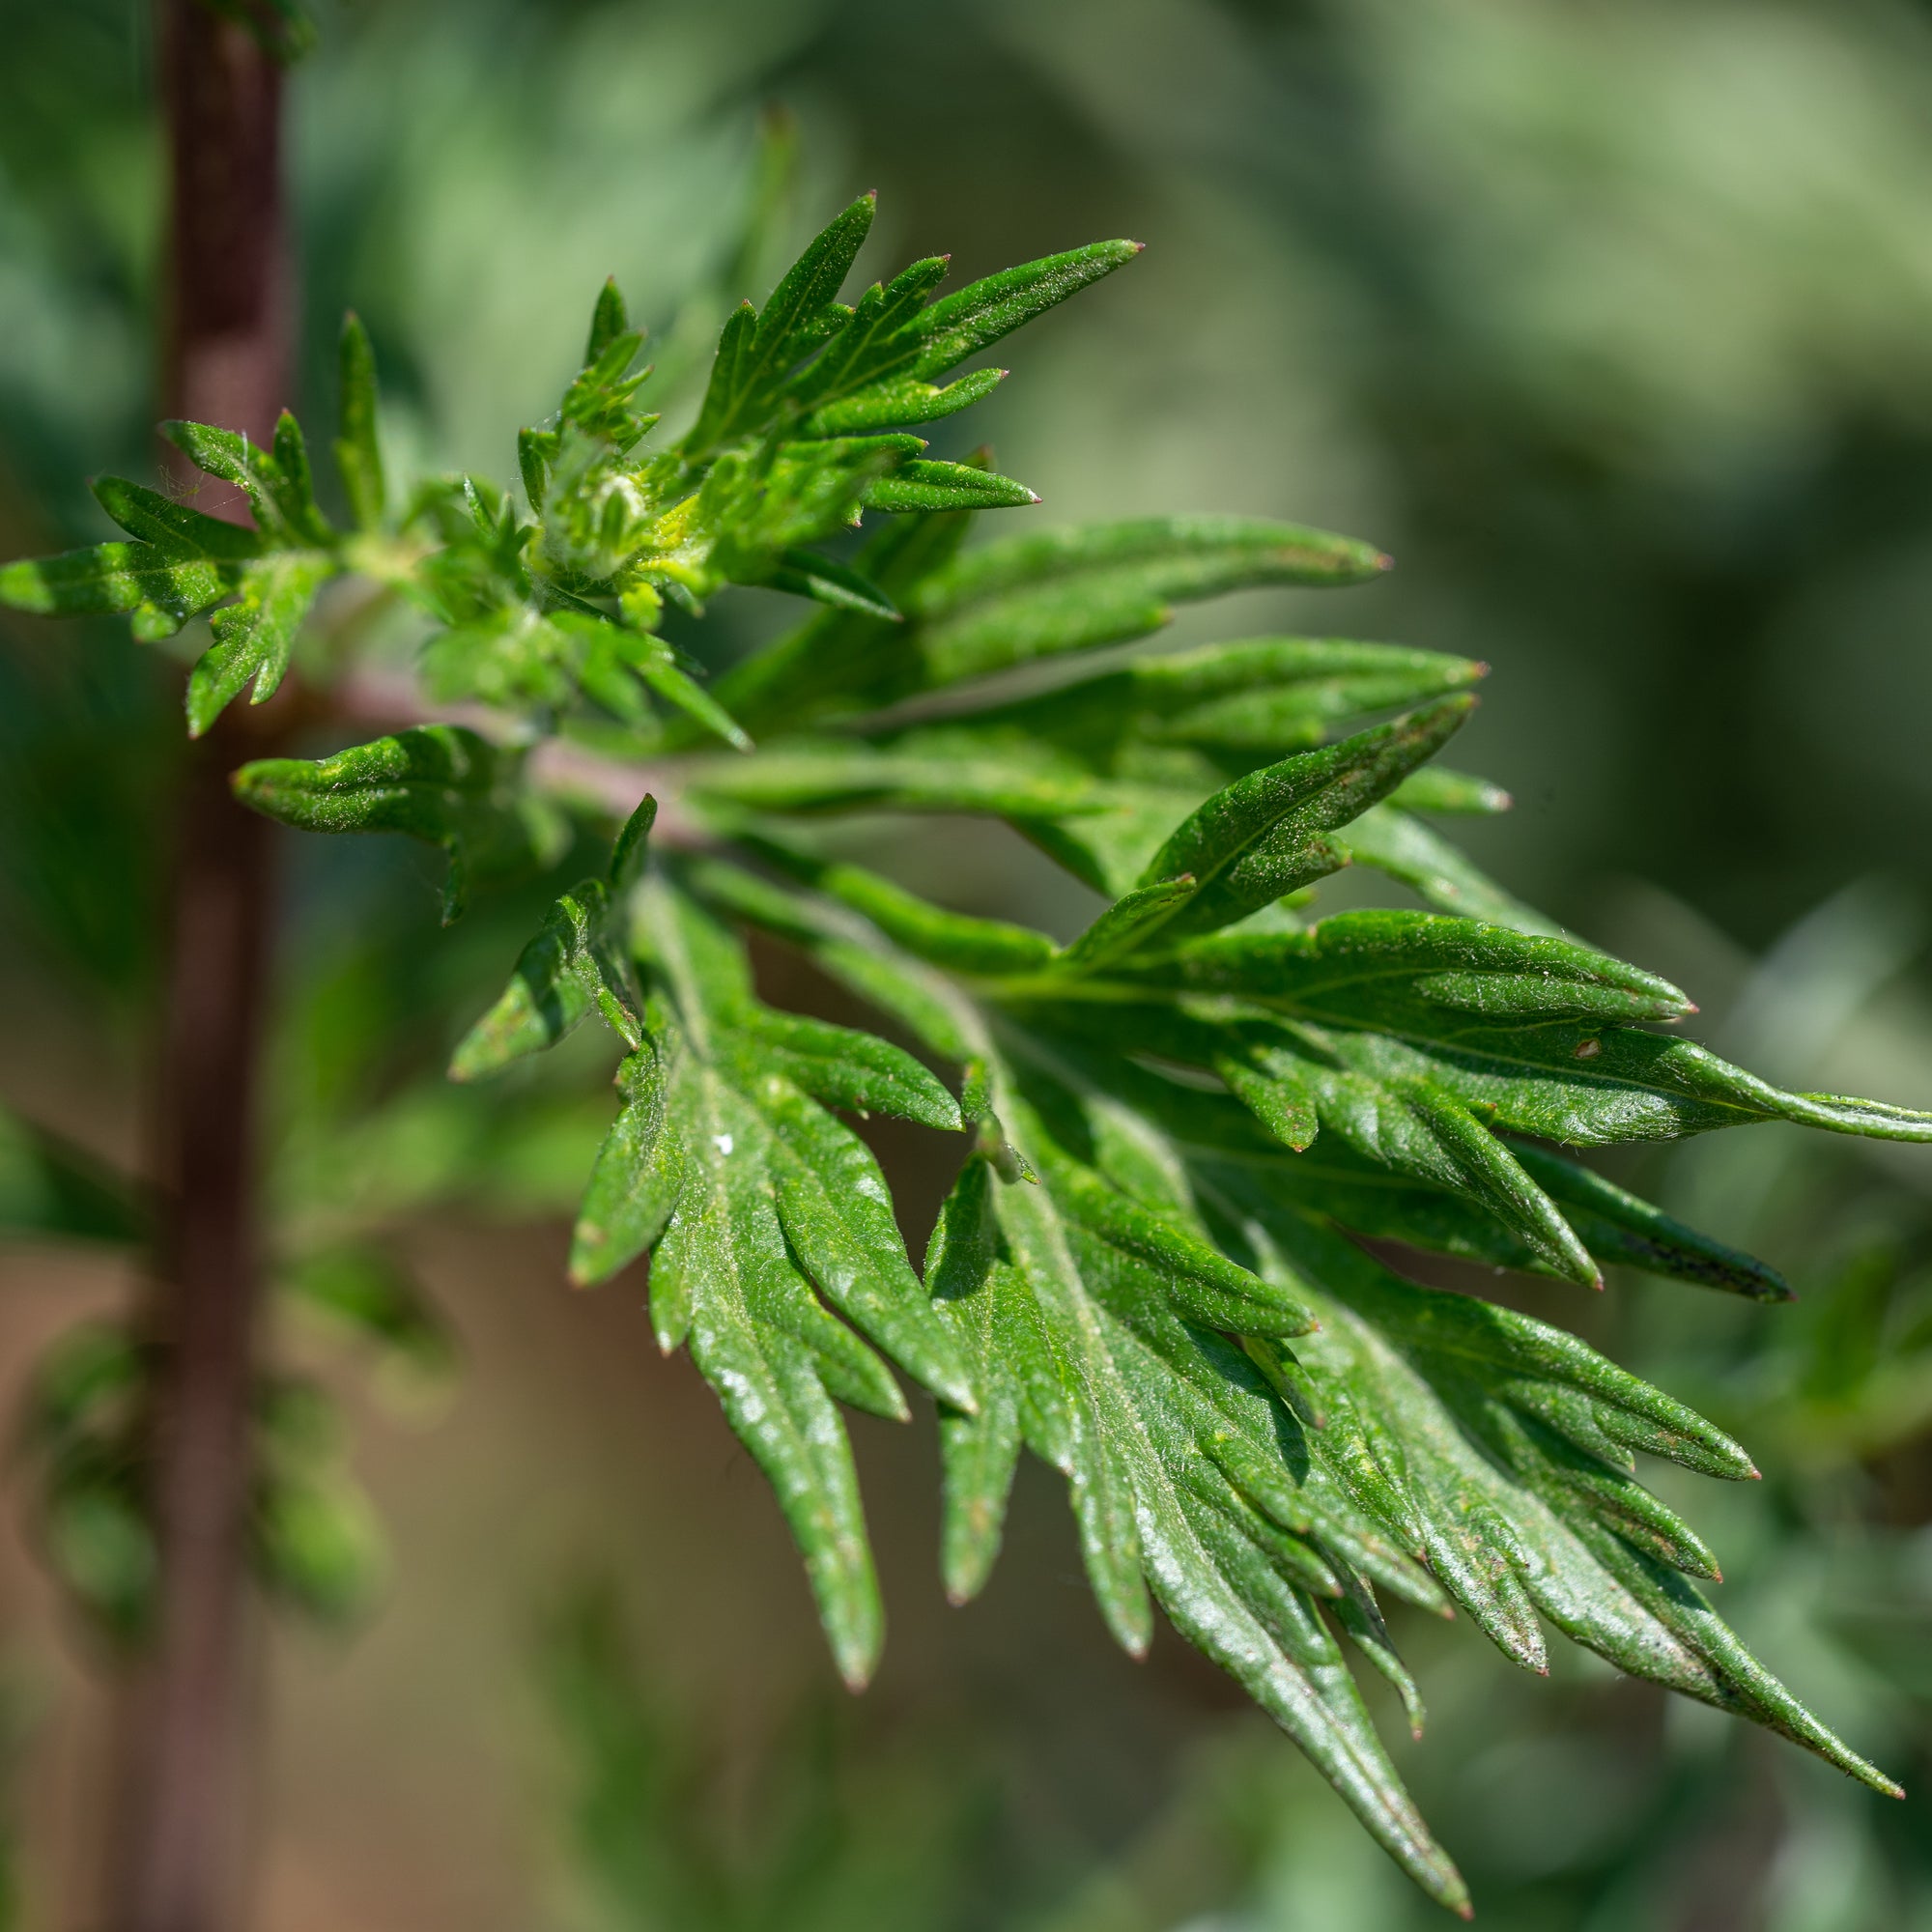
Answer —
(1612, 323)
(824, 1839)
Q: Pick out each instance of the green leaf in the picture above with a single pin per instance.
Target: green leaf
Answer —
(283, 29)
(629, 849)
(574, 967)
(634, 1180)
(176, 530)
(317, 1545)
(441, 784)
(854, 953)
(1061, 1367)
(1365, 1196)
(826, 581)
(255, 636)
(1545, 1527)
(848, 1068)
(756, 1201)
(358, 453)
(1355, 963)
(723, 1279)
(693, 701)
(759, 349)
(815, 775)
(132, 580)
(1201, 1281)
(1125, 923)
(608, 320)
(835, 660)
(1410, 1128)
(1061, 590)
(1585, 1083)
(1191, 716)
(982, 1299)
(897, 402)
(955, 940)
(1437, 788)
(314, 1539)
(1262, 837)
(979, 315)
(1618, 1226)
(916, 485)
(837, 1216)
(275, 480)
(78, 1432)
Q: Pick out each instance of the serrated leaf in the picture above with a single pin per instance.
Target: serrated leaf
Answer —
(1588, 1083)
(1190, 715)
(1551, 1535)
(853, 953)
(1201, 1281)
(752, 1196)
(255, 636)
(441, 784)
(837, 1215)
(982, 1301)
(721, 1278)
(1619, 1226)
(1059, 1368)
(1526, 1038)
(1410, 1128)
(759, 349)
(275, 481)
(572, 967)
(1263, 836)
(134, 579)
(1614, 1226)
(846, 1068)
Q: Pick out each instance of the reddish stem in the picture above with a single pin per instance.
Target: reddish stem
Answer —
(225, 359)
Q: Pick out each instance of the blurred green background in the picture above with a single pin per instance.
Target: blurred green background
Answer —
(1615, 325)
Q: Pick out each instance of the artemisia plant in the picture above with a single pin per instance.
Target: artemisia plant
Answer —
(1170, 1127)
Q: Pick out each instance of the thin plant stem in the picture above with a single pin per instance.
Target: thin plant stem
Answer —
(184, 1783)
